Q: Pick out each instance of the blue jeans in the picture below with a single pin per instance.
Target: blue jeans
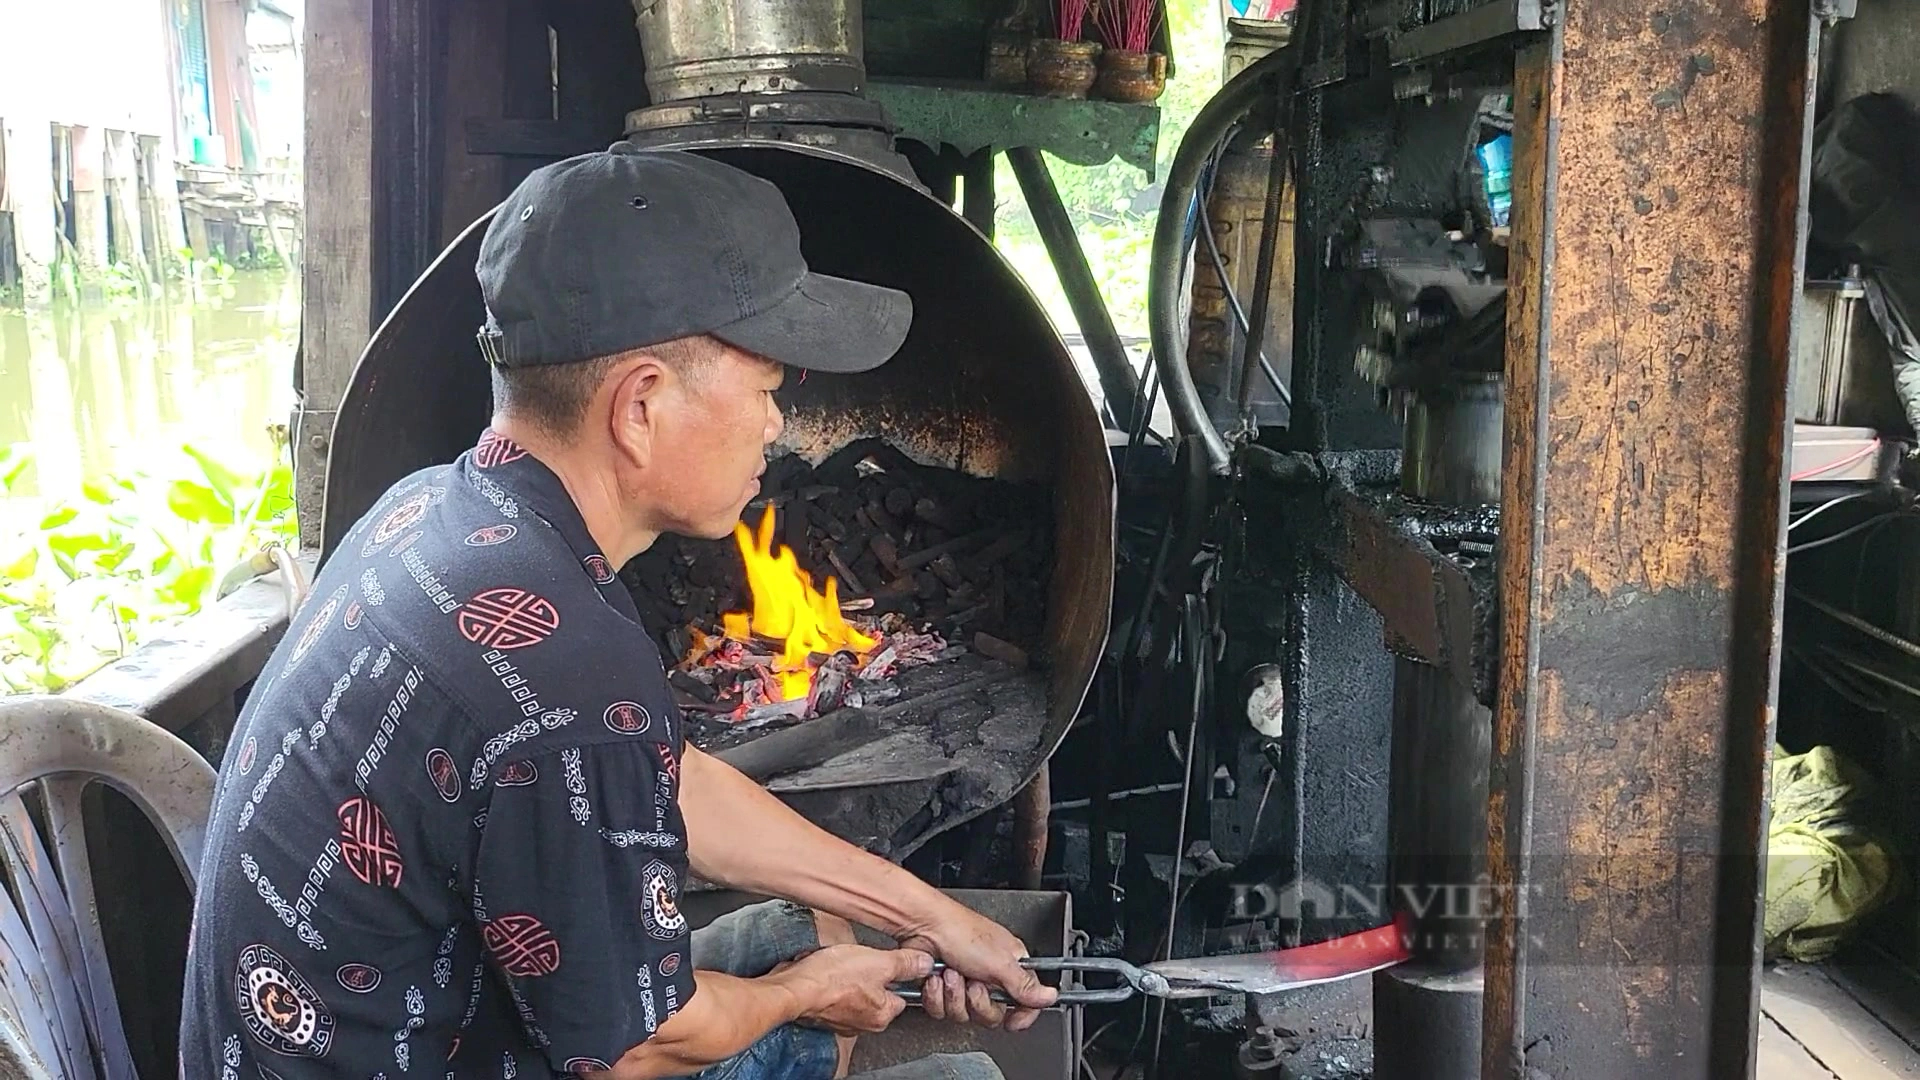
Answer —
(749, 943)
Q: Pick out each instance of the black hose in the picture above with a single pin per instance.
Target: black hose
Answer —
(1168, 261)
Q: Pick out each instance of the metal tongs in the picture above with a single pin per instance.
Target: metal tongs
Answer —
(1218, 976)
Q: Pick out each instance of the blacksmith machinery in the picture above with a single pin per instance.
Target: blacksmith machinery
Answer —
(1450, 597)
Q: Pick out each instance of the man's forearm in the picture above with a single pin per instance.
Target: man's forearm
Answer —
(739, 835)
(724, 1016)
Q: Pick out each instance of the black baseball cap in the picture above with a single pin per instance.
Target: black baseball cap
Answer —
(613, 251)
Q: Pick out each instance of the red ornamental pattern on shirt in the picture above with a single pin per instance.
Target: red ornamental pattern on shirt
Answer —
(598, 568)
(522, 946)
(489, 535)
(627, 718)
(669, 761)
(507, 618)
(359, 978)
(400, 518)
(516, 774)
(317, 625)
(495, 449)
(444, 774)
(367, 846)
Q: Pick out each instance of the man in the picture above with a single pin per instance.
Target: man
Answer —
(456, 816)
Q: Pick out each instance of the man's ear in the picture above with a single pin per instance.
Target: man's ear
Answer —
(638, 392)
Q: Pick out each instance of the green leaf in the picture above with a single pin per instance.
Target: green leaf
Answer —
(188, 588)
(219, 477)
(73, 544)
(198, 503)
(58, 518)
(22, 568)
(95, 492)
(14, 462)
(112, 559)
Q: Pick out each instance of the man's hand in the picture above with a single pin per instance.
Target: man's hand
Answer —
(980, 955)
(846, 988)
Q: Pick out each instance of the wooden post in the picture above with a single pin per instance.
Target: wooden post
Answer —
(123, 204)
(1660, 163)
(90, 199)
(165, 230)
(29, 156)
(336, 274)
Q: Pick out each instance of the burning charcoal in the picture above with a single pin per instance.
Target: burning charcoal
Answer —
(1003, 651)
(866, 694)
(687, 684)
(898, 501)
(831, 681)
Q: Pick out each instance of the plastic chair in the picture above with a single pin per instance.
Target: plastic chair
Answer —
(59, 1017)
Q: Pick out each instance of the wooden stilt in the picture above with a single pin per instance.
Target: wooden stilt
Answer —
(164, 228)
(29, 154)
(90, 199)
(129, 245)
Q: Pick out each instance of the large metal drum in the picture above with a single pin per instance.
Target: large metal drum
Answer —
(713, 48)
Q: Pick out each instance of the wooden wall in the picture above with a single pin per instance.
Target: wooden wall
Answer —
(421, 116)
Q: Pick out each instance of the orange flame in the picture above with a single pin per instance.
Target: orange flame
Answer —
(787, 607)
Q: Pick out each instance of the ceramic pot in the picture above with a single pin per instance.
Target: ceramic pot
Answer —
(1130, 76)
(1007, 60)
(1063, 69)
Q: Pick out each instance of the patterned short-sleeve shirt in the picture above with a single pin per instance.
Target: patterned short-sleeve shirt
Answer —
(447, 839)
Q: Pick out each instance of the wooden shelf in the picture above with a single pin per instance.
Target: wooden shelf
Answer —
(973, 116)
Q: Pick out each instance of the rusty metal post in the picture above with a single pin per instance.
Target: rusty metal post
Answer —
(1661, 161)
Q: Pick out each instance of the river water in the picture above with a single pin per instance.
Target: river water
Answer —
(102, 388)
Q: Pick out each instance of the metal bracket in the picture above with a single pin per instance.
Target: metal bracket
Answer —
(1475, 26)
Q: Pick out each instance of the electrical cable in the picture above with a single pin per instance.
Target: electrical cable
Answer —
(1844, 533)
(1831, 466)
(1197, 647)
(1824, 507)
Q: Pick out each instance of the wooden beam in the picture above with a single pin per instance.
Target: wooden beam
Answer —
(473, 92)
(406, 166)
(1660, 159)
(336, 274)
